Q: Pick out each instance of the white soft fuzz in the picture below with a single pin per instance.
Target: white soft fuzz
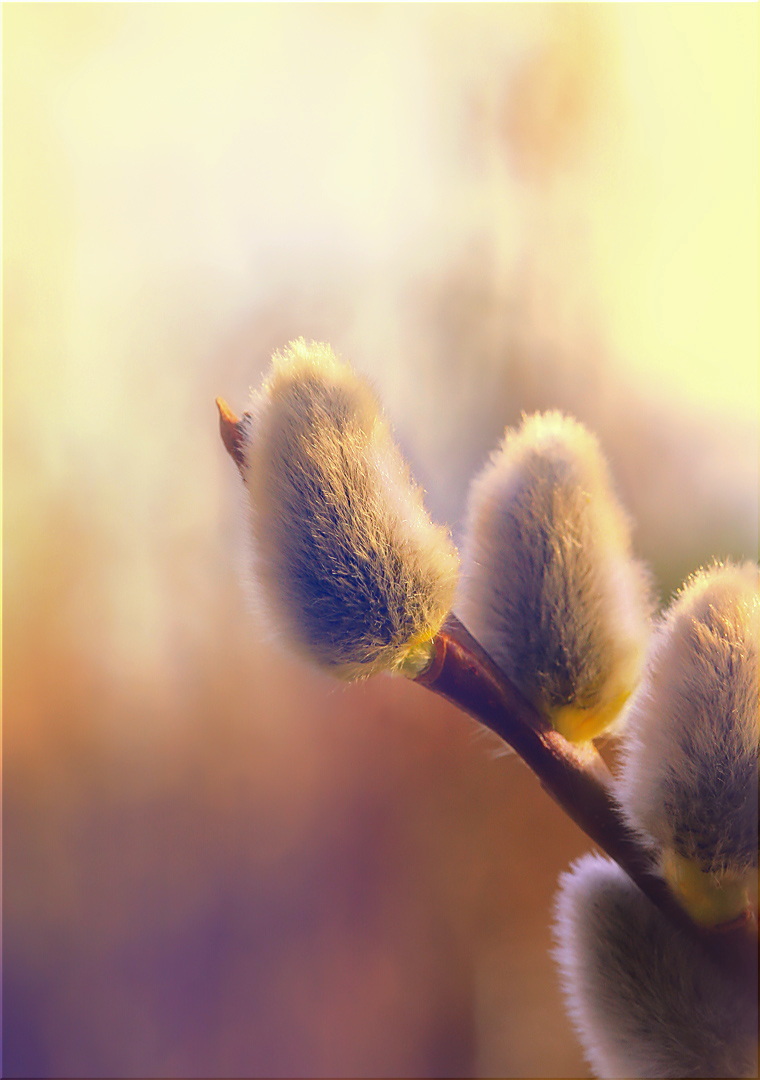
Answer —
(644, 999)
(351, 570)
(549, 586)
(690, 769)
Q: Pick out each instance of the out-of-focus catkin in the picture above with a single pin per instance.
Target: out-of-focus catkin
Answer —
(350, 568)
(644, 997)
(550, 587)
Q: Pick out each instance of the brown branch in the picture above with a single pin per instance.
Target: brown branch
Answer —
(578, 780)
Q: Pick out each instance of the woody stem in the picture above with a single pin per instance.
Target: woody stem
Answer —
(578, 780)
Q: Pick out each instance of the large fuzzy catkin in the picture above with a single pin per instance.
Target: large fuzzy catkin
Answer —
(689, 776)
(350, 568)
(549, 587)
(644, 998)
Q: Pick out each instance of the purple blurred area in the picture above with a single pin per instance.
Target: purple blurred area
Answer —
(217, 862)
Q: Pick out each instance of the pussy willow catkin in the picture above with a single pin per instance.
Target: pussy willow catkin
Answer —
(350, 568)
(689, 778)
(550, 587)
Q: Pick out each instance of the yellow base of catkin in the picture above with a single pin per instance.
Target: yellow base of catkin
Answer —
(581, 726)
(710, 899)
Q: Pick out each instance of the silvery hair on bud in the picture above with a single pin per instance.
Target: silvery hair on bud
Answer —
(351, 570)
(549, 585)
(644, 998)
(690, 770)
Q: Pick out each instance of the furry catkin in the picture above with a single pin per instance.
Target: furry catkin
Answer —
(690, 768)
(549, 585)
(644, 998)
(350, 567)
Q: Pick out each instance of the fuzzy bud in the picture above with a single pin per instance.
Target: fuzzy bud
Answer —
(549, 585)
(690, 771)
(351, 570)
(645, 999)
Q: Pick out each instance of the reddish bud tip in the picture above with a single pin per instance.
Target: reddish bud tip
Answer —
(231, 430)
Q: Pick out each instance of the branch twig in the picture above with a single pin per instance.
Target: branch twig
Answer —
(578, 780)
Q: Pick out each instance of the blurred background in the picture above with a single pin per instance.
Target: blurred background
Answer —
(218, 862)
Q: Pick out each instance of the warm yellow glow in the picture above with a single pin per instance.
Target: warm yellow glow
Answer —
(677, 245)
(171, 171)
